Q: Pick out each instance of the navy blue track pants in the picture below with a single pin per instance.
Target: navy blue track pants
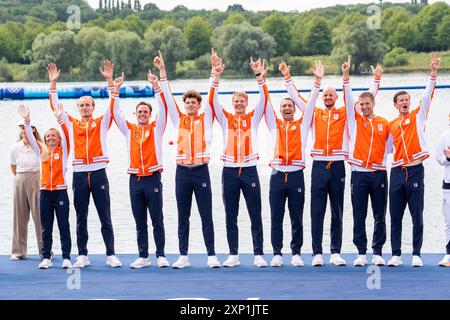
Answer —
(233, 181)
(406, 188)
(146, 193)
(85, 183)
(194, 180)
(290, 186)
(373, 185)
(55, 203)
(327, 179)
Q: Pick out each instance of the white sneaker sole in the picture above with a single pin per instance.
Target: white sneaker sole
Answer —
(140, 266)
(182, 267)
(46, 267)
(113, 265)
(232, 265)
(80, 266)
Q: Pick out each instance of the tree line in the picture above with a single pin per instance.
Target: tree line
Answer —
(34, 32)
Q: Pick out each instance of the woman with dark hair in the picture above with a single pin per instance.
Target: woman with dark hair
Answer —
(25, 168)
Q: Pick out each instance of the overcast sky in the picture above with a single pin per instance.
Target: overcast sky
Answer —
(256, 5)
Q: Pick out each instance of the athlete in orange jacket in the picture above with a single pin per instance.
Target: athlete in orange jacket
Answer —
(53, 190)
(407, 186)
(88, 148)
(240, 153)
(368, 151)
(330, 150)
(144, 148)
(289, 138)
(192, 174)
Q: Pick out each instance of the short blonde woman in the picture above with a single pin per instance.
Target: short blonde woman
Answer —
(25, 168)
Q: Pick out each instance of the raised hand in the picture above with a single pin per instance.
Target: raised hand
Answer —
(217, 70)
(346, 68)
(108, 70)
(118, 83)
(284, 69)
(58, 111)
(255, 65)
(435, 63)
(53, 72)
(215, 60)
(152, 78)
(318, 71)
(24, 112)
(158, 61)
(264, 69)
(378, 71)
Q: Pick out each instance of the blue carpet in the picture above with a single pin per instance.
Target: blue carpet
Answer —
(23, 280)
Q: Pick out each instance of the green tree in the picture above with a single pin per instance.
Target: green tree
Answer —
(299, 33)
(31, 31)
(125, 49)
(237, 43)
(390, 19)
(58, 47)
(114, 25)
(5, 72)
(57, 26)
(92, 48)
(235, 18)
(396, 57)
(160, 25)
(427, 23)
(443, 33)
(151, 12)
(405, 36)
(11, 37)
(278, 27)
(198, 33)
(46, 15)
(134, 24)
(366, 46)
(172, 44)
(317, 39)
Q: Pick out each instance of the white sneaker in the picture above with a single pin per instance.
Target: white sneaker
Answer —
(15, 257)
(162, 262)
(445, 262)
(45, 264)
(417, 261)
(182, 262)
(66, 264)
(360, 260)
(277, 261)
(378, 260)
(82, 261)
(337, 260)
(213, 262)
(395, 261)
(317, 260)
(297, 261)
(113, 261)
(232, 261)
(140, 263)
(259, 262)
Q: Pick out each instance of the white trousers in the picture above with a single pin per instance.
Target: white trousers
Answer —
(446, 212)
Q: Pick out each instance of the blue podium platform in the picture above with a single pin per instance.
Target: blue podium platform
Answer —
(23, 280)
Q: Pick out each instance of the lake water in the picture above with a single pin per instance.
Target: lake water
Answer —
(123, 222)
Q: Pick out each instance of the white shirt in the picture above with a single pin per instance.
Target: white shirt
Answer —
(24, 158)
(444, 142)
